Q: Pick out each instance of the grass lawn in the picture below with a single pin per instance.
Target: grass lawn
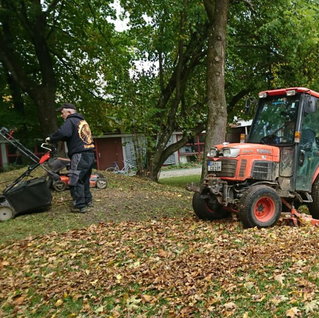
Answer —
(181, 181)
(141, 252)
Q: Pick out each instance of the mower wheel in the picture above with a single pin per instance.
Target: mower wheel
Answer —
(6, 213)
(260, 206)
(208, 209)
(101, 183)
(59, 185)
(314, 206)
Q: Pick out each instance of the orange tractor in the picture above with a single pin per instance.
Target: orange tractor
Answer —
(275, 170)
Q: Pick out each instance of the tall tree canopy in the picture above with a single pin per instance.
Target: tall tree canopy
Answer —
(270, 44)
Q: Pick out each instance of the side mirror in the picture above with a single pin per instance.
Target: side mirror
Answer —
(311, 105)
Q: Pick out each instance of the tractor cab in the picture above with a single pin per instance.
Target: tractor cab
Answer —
(289, 119)
(275, 170)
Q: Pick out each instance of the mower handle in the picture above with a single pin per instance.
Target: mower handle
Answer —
(47, 146)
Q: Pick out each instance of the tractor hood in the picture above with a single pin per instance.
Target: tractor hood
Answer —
(234, 150)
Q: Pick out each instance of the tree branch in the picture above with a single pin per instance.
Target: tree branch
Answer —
(181, 142)
(235, 99)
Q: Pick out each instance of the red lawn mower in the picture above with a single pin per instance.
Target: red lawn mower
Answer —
(61, 166)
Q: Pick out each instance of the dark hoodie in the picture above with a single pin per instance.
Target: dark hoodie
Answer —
(77, 134)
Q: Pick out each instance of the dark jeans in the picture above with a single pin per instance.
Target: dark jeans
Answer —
(80, 172)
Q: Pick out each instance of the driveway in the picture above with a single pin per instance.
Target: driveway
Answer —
(180, 172)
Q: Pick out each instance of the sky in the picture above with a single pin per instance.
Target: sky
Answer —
(120, 25)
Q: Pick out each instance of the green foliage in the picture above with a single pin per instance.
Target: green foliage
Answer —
(155, 33)
(83, 47)
(271, 45)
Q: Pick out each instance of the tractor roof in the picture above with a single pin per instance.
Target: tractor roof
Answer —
(288, 91)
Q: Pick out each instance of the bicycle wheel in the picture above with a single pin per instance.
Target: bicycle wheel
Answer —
(111, 169)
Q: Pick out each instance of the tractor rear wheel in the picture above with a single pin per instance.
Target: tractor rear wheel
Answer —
(208, 209)
(314, 206)
(260, 206)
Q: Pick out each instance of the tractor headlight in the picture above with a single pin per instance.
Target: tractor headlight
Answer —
(230, 152)
(212, 152)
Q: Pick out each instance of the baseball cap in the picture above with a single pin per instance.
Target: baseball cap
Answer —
(66, 105)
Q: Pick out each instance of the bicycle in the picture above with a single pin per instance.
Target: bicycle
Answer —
(128, 169)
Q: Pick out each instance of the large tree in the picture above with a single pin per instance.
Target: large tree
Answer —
(53, 51)
(21, 20)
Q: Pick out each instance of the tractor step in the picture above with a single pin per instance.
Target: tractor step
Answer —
(308, 198)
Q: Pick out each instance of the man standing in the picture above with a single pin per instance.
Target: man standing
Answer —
(77, 134)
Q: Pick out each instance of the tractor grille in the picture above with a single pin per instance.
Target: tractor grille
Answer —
(242, 168)
(228, 168)
(263, 170)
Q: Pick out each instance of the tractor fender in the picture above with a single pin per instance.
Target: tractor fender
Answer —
(315, 175)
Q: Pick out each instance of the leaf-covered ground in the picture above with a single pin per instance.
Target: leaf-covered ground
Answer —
(125, 199)
(160, 264)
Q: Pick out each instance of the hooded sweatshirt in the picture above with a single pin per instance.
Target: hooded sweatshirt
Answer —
(77, 134)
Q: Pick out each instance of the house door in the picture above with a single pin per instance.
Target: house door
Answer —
(108, 151)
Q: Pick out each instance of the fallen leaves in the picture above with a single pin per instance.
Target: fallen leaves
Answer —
(18, 300)
(311, 307)
(293, 312)
(58, 303)
(280, 278)
(170, 267)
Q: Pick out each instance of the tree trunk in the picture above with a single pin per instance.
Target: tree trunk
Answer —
(216, 101)
(44, 99)
(16, 94)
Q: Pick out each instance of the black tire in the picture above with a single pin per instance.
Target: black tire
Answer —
(260, 206)
(208, 209)
(314, 206)
(59, 186)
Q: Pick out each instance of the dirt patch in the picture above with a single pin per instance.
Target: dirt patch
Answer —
(131, 199)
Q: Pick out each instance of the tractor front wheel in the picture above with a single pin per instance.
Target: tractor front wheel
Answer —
(208, 209)
(260, 206)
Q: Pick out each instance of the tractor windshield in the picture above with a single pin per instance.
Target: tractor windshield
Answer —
(275, 120)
